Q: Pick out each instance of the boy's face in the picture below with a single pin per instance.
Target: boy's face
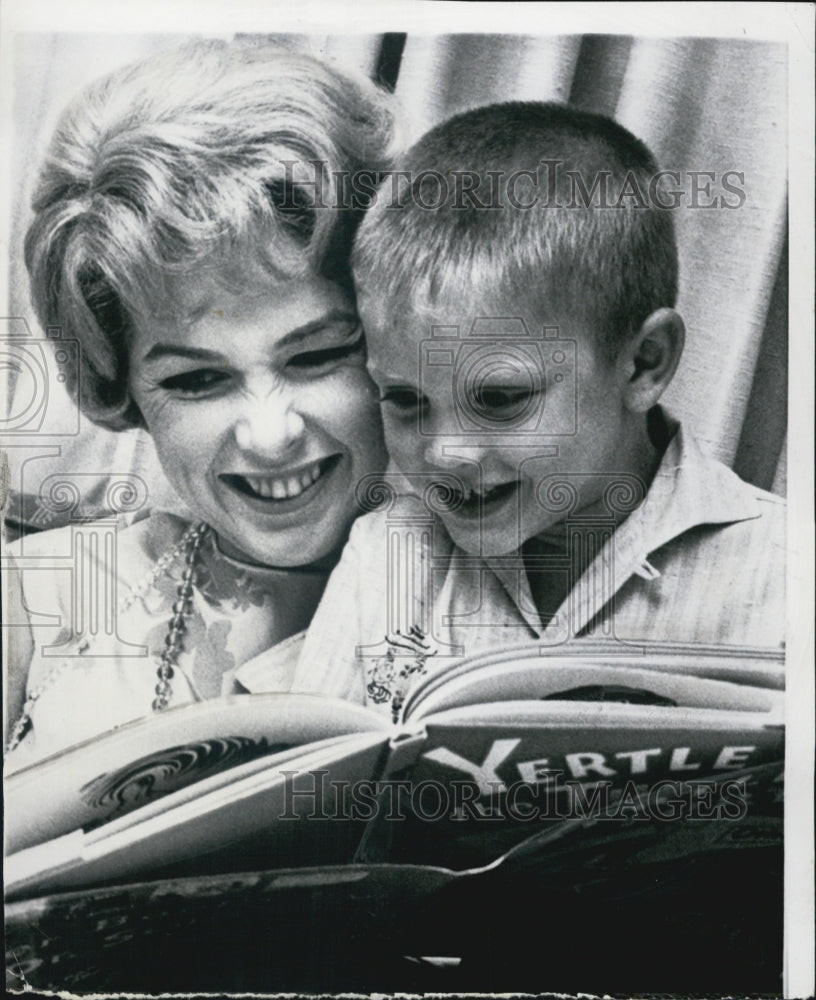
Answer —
(517, 424)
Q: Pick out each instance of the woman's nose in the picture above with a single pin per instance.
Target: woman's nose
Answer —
(270, 428)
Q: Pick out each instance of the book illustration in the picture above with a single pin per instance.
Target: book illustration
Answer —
(46, 799)
(117, 792)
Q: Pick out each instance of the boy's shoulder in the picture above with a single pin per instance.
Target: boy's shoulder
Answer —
(405, 515)
(727, 487)
(719, 545)
(739, 523)
(756, 508)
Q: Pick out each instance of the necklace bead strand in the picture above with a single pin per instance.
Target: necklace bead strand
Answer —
(174, 640)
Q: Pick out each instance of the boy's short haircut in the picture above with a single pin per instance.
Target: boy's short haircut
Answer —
(209, 157)
(526, 202)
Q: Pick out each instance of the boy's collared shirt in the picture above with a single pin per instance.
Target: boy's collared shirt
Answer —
(700, 560)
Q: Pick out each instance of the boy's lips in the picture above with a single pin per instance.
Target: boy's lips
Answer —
(472, 504)
(282, 489)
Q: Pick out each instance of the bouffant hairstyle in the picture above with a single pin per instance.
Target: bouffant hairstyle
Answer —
(527, 202)
(220, 156)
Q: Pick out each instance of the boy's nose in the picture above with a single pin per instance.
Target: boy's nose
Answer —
(447, 452)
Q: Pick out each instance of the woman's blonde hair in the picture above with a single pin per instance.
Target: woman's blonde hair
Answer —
(217, 155)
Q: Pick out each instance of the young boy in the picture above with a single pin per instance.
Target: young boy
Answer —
(517, 278)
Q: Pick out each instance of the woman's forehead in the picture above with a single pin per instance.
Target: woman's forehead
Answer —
(205, 313)
(186, 298)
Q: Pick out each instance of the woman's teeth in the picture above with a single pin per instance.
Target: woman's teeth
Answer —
(276, 488)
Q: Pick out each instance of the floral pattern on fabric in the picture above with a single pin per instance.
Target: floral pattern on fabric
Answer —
(258, 622)
(391, 675)
(223, 583)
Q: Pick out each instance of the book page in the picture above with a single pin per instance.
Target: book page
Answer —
(683, 678)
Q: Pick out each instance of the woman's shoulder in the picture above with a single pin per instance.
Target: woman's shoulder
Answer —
(133, 544)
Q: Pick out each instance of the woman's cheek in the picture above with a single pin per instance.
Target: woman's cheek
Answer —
(346, 409)
(361, 396)
(362, 410)
(183, 432)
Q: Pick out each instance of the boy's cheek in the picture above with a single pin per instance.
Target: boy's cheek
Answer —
(403, 447)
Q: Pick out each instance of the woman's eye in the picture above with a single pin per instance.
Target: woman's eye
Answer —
(326, 355)
(194, 383)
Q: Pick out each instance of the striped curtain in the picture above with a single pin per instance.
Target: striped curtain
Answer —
(704, 106)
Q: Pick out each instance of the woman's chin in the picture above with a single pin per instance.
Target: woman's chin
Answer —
(291, 531)
(291, 549)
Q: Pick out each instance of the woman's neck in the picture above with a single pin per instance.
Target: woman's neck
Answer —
(292, 592)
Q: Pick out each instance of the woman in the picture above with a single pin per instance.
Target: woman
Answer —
(190, 230)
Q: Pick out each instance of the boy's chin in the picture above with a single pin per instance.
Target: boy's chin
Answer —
(475, 540)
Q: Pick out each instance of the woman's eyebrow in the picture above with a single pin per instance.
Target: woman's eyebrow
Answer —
(181, 351)
(294, 336)
(315, 326)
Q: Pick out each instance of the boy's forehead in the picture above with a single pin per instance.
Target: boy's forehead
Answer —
(503, 316)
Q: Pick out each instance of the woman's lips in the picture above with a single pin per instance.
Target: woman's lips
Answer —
(281, 487)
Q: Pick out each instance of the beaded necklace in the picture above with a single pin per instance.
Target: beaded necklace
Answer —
(174, 640)
(189, 544)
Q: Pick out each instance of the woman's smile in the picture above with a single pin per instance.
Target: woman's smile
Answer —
(282, 486)
(275, 490)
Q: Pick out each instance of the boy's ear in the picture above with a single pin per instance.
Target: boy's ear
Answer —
(651, 359)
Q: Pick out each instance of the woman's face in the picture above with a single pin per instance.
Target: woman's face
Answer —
(262, 413)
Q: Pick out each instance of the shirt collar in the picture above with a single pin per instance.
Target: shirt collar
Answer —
(688, 490)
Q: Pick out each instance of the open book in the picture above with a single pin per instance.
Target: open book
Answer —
(558, 749)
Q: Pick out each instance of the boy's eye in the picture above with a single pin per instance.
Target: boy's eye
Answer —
(326, 355)
(401, 398)
(195, 383)
(490, 399)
